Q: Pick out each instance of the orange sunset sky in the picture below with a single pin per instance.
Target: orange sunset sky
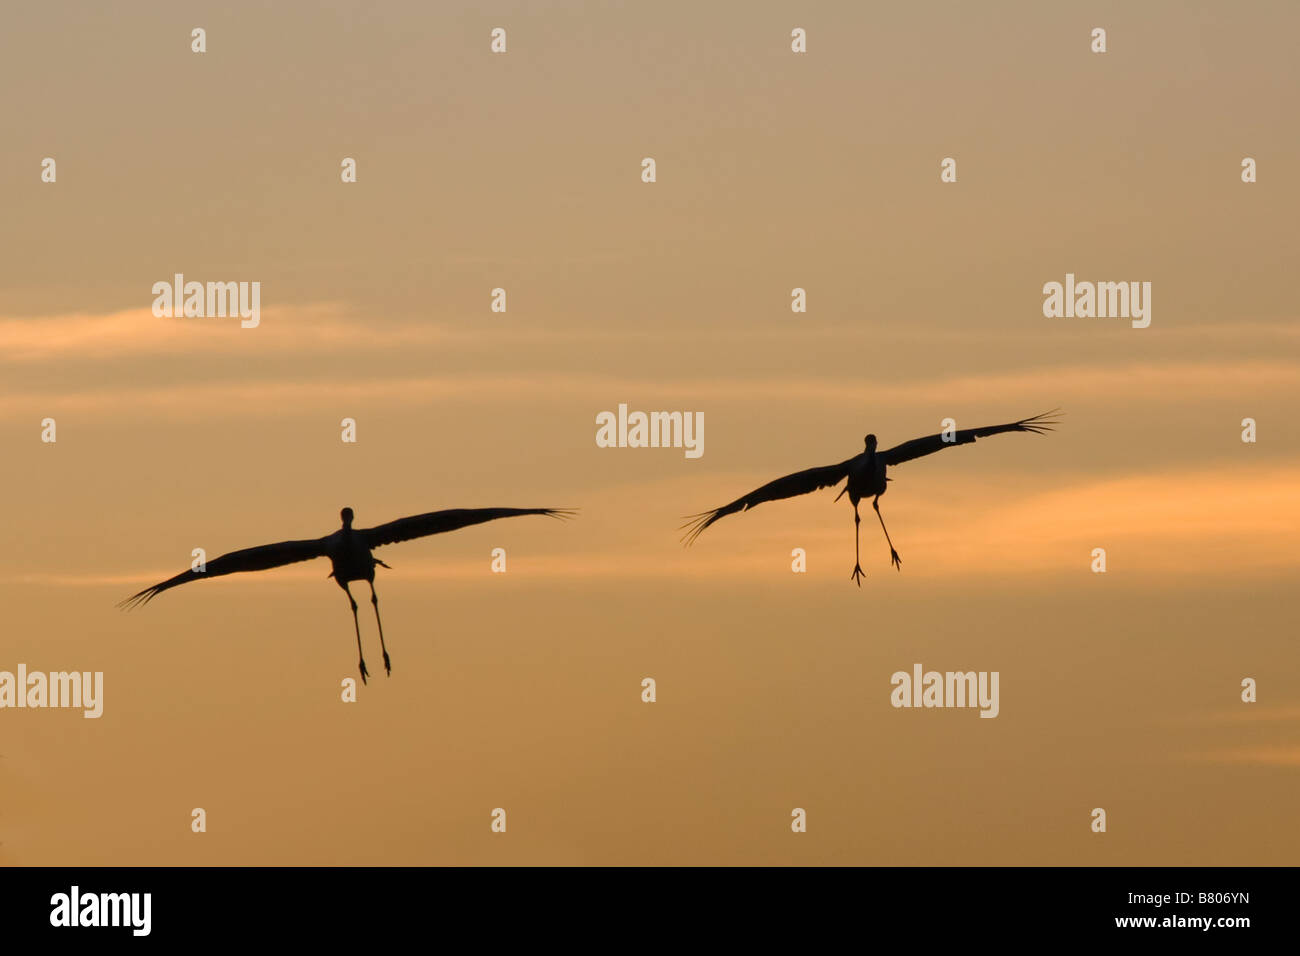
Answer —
(775, 170)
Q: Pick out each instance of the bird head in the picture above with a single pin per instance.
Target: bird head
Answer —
(871, 443)
(346, 515)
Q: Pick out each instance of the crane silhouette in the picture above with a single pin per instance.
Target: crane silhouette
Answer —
(866, 479)
(349, 552)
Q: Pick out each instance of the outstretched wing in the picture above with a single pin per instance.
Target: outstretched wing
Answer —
(436, 522)
(800, 483)
(928, 445)
(250, 559)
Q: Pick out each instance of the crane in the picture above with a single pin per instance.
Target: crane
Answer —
(349, 552)
(865, 474)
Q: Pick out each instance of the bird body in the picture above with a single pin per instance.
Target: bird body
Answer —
(349, 554)
(349, 551)
(864, 476)
(350, 559)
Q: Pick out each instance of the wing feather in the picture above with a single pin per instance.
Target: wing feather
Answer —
(438, 522)
(250, 559)
(799, 483)
(919, 447)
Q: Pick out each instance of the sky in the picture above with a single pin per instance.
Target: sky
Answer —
(775, 170)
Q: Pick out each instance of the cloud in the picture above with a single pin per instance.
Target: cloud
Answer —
(1155, 528)
(1244, 714)
(314, 327)
(1108, 384)
(1267, 755)
(1174, 524)
(330, 329)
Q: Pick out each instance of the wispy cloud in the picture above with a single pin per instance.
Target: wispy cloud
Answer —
(323, 327)
(316, 327)
(1244, 714)
(1267, 755)
(1097, 383)
(1153, 527)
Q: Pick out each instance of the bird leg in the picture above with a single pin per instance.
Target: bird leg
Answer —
(857, 574)
(374, 599)
(893, 555)
(360, 656)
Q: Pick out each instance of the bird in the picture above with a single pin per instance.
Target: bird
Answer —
(866, 478)
(349, 552)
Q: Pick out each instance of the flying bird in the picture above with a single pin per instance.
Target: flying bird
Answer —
(349, 552)
(865, 474)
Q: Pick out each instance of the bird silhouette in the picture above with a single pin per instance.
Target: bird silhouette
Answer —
(866, 479)
(349, 552)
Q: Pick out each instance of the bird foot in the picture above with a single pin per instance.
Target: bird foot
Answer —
(388, 668)
(858, 574)
(364, 672)
(893, 556)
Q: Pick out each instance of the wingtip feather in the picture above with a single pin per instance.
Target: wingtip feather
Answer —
(695, 525)
(1043, 423)
(139, 599)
